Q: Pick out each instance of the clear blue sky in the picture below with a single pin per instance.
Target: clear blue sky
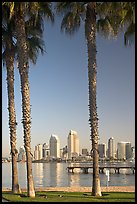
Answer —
(59, 91)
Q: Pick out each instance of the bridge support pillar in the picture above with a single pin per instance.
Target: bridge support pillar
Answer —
(85, 170)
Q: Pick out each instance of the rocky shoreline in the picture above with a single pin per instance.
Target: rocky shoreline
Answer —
(82, 189)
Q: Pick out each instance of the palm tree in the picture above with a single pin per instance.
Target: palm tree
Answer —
(35, 44)
(108, 19)
(8, 58)
(23, 70)
(121, 21)
(128, 20)
(19, 12)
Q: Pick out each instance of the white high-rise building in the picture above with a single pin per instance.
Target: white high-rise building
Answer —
(73, 144)
(111, 148)
(54, 144)
(102, 150)
(38, 152)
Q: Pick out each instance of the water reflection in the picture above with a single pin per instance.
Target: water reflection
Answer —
(46, 174)
(73, 179)
(56, 174)
(38, 174)
(22, 175)
(53, 176)
(6, 175)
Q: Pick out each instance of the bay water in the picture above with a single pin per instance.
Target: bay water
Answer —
(55, 174)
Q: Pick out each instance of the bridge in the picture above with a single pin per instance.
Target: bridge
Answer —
(101, 168)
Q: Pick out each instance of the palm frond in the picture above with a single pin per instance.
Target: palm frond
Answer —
(73, 13)
(35, 45)
(105, 28)
(70, 23)
(129, 36)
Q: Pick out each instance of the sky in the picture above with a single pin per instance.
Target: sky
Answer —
(59, 91)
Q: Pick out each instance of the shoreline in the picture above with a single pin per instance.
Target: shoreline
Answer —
(81, 189)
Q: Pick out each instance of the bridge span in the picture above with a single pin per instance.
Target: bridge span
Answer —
(101, 168)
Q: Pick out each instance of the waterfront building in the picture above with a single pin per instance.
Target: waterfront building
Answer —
(21, 155)
(54, 146)
(102, 150)
(124, 150)
(61, 153)
(73, 144)
(38, 152)
(84, 152)
(65, 152)
(45, 151)
(111, 148)
(133, 152)
(121, 150)
(128, 150)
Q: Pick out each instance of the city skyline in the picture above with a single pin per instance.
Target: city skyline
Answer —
(59, 90)
(46, 145)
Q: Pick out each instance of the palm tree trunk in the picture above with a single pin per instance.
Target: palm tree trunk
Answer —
(12, 118)
(90, 32)
(23, 70)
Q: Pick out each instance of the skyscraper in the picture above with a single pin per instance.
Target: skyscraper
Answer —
(84, 152)
(121, 150)
(124, 150)
(73, 144)
(45, 149)
(38, 152)
(21, 155)
(102, 150)
(111, 148)
(128, 150)
(54, 146)
(65, 152)
(133, 152)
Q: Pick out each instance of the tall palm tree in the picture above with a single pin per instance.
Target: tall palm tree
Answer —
(101, 16)
(20, 12)
(8, 59)
(35, 44)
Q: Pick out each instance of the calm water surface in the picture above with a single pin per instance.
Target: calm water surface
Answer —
(55, 174)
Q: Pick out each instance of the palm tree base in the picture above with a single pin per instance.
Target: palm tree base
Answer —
(16, 190)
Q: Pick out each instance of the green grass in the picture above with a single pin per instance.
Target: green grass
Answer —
(57, 196)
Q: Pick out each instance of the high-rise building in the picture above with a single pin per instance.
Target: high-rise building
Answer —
(124, 150)
(102, 150)
(38, 152)
(45, 150)
(73, 144)
(65, 152)
(128, 150)
(54, 146)
(111, 148)
(121, 150)
(133, 152)
(84, 152)
(21, 155)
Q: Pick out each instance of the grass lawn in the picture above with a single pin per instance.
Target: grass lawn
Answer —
(58, 196)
